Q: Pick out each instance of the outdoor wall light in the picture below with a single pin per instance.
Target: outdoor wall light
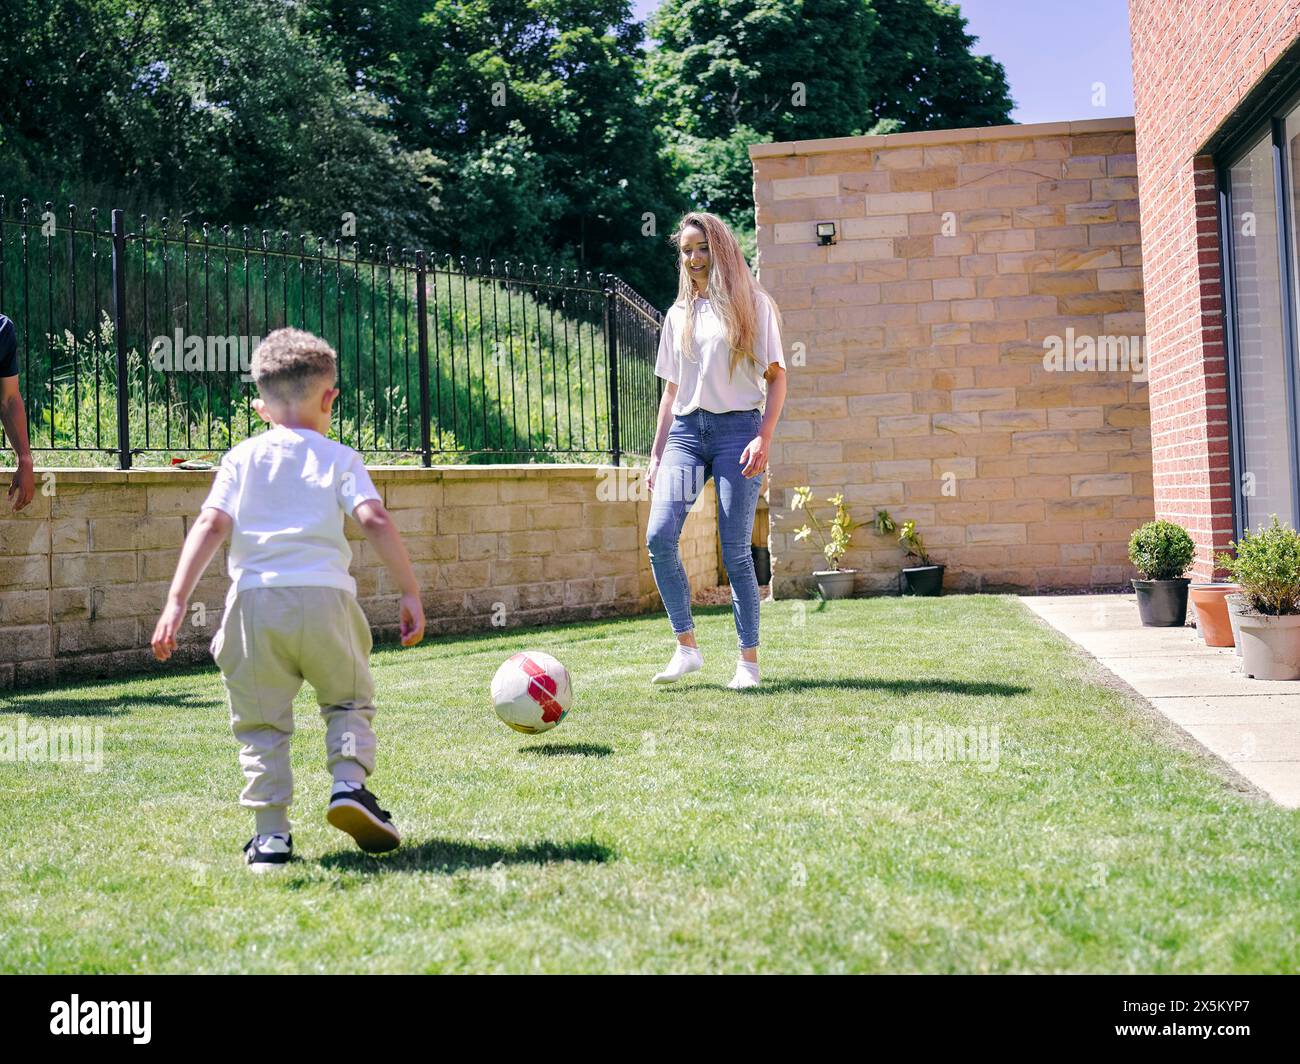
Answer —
(825, 232)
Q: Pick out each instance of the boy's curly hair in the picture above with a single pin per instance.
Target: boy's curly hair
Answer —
(288, 362)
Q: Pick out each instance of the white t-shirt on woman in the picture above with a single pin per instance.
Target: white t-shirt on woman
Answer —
(705, 383)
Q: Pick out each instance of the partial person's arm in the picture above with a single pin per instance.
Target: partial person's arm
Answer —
(753, 458)
(206, 535)
(661, 432)
(776, 381)
(382, 534)
(13, 415)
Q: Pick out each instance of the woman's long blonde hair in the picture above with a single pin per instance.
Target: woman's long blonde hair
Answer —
(732, 289)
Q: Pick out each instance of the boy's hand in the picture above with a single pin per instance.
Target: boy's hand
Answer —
(412, 620)
(164, 632)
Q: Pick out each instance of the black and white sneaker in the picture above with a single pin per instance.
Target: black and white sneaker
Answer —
(264, 852)
(357, 812)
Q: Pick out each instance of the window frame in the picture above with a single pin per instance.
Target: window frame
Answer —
(1242, 141)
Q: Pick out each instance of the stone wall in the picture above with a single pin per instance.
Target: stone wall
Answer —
(917, 377)
(85, 570)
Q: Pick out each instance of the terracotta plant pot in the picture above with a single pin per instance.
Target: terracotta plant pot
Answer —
(835, 583)
(1162, 603)
(1270, 645)
(1212, 621)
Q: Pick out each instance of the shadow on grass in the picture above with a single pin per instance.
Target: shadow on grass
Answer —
(52, 703)
(898, 687)
(546, 637)
(449, 856)
(569, 750)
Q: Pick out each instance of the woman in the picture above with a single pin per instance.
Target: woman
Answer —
(720, 354)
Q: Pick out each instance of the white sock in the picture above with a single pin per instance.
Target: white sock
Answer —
(344, 785)
(746, 675)
(685, 659)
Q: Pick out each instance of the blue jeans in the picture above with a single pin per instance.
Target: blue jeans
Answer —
(703, 444)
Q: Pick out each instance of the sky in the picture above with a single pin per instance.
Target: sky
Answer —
(1053, 52)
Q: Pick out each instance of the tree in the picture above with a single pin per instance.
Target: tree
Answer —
(553, 151)
(785, 68)
(927, 76)
(737, 72)
(228, 111)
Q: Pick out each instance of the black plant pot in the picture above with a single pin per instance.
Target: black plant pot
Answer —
(923, 580)
(762, 565)
(1162, 603)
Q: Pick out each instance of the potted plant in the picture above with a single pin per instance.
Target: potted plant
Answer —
(1237, 603)
(925, 578)
(1267, 567)
(1161, 551)
(833, 582)
(1210, 604)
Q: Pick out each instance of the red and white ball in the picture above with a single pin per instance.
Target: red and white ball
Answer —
(531, 692)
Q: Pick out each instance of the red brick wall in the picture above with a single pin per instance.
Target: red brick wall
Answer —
(1192, 64)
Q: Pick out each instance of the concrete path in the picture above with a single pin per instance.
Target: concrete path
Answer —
(1253, 725)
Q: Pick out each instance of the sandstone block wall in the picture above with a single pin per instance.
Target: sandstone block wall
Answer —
(917, 381)
(85, 570)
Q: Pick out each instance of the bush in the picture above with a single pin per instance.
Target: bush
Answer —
(1267, 567)
(1161, 550)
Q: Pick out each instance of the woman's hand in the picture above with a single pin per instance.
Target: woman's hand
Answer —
(753, 458)
(652, 472)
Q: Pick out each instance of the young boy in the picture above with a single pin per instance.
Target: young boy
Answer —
(291, 613)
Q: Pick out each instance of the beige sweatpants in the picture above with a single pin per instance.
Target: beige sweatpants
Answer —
(270, 640)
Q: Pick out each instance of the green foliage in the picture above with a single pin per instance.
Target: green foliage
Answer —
(233, 111)
(841, 525)
(553, 151)
(754, 71)
(534, 130)
(720, 67)
(717, 174)
(515, 374)
(1267, 566)
(923, 71)
(910, 540)
(908, 537)
(1161, 550)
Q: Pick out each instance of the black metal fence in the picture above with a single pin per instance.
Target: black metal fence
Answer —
(135, 342)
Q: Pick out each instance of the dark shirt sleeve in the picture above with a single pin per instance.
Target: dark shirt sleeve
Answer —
(8, 348)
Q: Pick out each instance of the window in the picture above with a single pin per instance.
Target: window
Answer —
(1259, 210)
(1266, 454)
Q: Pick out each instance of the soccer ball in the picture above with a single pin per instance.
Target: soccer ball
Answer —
(531, 692)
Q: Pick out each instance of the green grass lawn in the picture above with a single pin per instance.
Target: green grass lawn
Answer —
(687, 828)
